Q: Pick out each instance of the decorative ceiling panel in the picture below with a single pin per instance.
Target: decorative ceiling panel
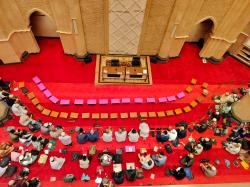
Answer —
(125, 23)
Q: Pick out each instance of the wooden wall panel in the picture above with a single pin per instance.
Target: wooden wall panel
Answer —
(155, 25)
(68, 43)
(7, 53)
(94, 25)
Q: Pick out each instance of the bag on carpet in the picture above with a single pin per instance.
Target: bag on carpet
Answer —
(168, 148)
(92, 149)
(75, 156)
(139, 173)
(69, 178)
(168, 172)
(11, 170)
(5, 161)
(175, 143)
(245, 165)
(118, 151)
(42, 159)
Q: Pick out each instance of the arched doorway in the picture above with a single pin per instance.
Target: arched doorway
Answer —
(201, 32)
(42, 25)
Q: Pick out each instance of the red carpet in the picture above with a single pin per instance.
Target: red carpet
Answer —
(68, 78)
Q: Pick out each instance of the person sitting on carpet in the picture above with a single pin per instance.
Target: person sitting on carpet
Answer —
(187, 160)
(35, 125)
(4, 85)
(10, 100)
(65, 139)
(93, 135)
(212, 124)
(146, 161)
(216, 115)
(25, 138)
(55, 131)
(81, 137)
(39, 142)
(159, 159)
(232, 147)
(220, 131)
(206, 143)
(106, 182)
(14, 135)
(105, 157)
(121, 135)
(244, 155)
(208, 169)
(25, 119)
(3, 95)
(193, 147)
(201, 127)
(18, 109)
(181, 132)
(36, 144)
(144, 130)
(56, 163)
(178, 173)
(162, 136)
(45, 128)
(84, 162)
(133, 136)
(181, 129)
(130, 174)
(245, 144)
(226, 109)
(172, 134)
(28, 158)
(118, 177)
(107, 135)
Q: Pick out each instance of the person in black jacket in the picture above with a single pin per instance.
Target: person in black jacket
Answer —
(187, 160)
(207, 143)
(178, 173)
(4, 85)
(82, 137)
(201, 127)
(118, 177)
(162, 136)
(131, 174)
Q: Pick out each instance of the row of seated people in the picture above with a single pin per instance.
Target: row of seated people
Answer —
(56, 131)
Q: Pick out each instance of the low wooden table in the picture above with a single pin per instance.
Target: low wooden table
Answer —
(134, 73)
(113, 73)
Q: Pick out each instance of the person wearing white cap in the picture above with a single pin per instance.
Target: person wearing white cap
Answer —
(133, 136)
(65, 139)
(45, 128)
(144, 130)
(24, 119)
(172, 134)
(84, 162)
(121, 135)
(232, 147)
(18, 109)
(107, 135)
(56, 163)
